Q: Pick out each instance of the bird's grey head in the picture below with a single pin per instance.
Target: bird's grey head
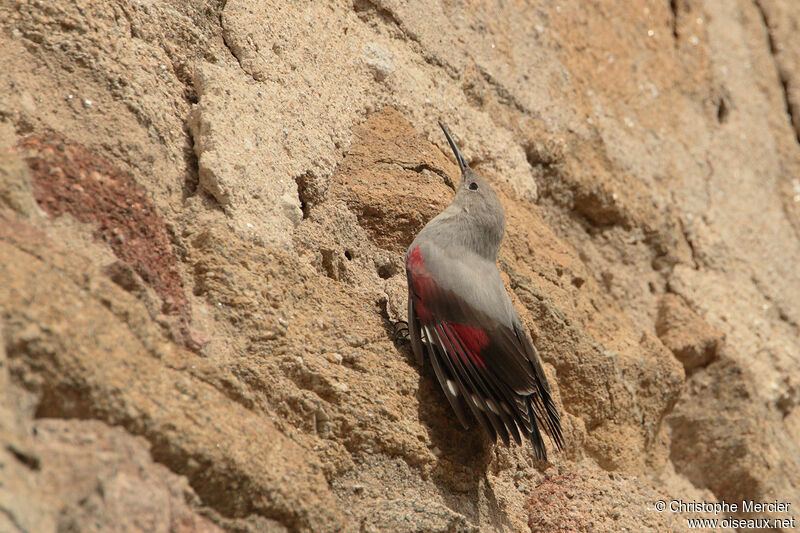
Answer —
(477, 205)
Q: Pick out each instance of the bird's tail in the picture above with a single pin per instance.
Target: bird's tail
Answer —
(539, 450)
(548, 419)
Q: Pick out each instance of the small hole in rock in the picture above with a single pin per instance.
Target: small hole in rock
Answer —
(348, 254)
(722, 110)
(386, 271)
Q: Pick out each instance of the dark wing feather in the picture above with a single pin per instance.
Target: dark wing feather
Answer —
(505, 404)
(413, 329)
(478, 393)
(445, 377)
(510, 362)
(503, 384)
(458, 377)
(545, 408)
(494, 396)
(449, 384)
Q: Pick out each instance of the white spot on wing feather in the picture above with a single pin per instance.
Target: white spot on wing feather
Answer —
(451, 386)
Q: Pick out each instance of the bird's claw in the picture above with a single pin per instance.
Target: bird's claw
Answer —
(400, 331)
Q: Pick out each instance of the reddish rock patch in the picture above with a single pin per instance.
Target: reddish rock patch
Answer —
(552, 505)
(599, 502)
(69, 178)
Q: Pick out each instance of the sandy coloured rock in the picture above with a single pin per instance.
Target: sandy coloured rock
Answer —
(203, 215)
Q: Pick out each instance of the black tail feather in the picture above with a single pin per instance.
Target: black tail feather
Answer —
(539, 450)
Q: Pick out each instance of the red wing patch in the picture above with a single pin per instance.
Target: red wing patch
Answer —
(414, 260)
(490, 375)
(473, 339)
(421, 281)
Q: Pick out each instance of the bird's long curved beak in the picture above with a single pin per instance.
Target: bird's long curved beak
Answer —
(462, 163)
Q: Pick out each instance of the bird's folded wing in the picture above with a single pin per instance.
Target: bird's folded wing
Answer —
(494, 345)
(493, 369)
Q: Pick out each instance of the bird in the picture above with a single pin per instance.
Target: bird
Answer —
(461, 316)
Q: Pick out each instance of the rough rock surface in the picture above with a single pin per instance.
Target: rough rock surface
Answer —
(602, 502)
(203, 213)
(690, 338)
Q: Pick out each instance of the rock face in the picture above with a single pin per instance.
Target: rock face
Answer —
(690, 338)
(204, 209)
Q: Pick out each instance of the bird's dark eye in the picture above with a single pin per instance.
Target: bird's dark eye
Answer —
(473, 186)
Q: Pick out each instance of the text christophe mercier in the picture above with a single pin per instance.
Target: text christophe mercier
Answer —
(723, 507)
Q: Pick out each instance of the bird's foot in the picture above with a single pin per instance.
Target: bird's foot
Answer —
(400, 331)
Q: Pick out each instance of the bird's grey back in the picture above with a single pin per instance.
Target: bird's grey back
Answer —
(474, 279)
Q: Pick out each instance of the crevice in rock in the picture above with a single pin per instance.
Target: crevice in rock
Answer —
(24, 456)
(191, 179)
(691, 244)
(364, 7)
(385, 14)
(332, 264)
(303, 182)
(782, 78)
(386, 271)
(504, 96)
(230, 48)
(673, 7)
(212, 485)
(419, 168)
(229, 390)
(12, 518)
(438, 172)
(708, 177)
(722, 110)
